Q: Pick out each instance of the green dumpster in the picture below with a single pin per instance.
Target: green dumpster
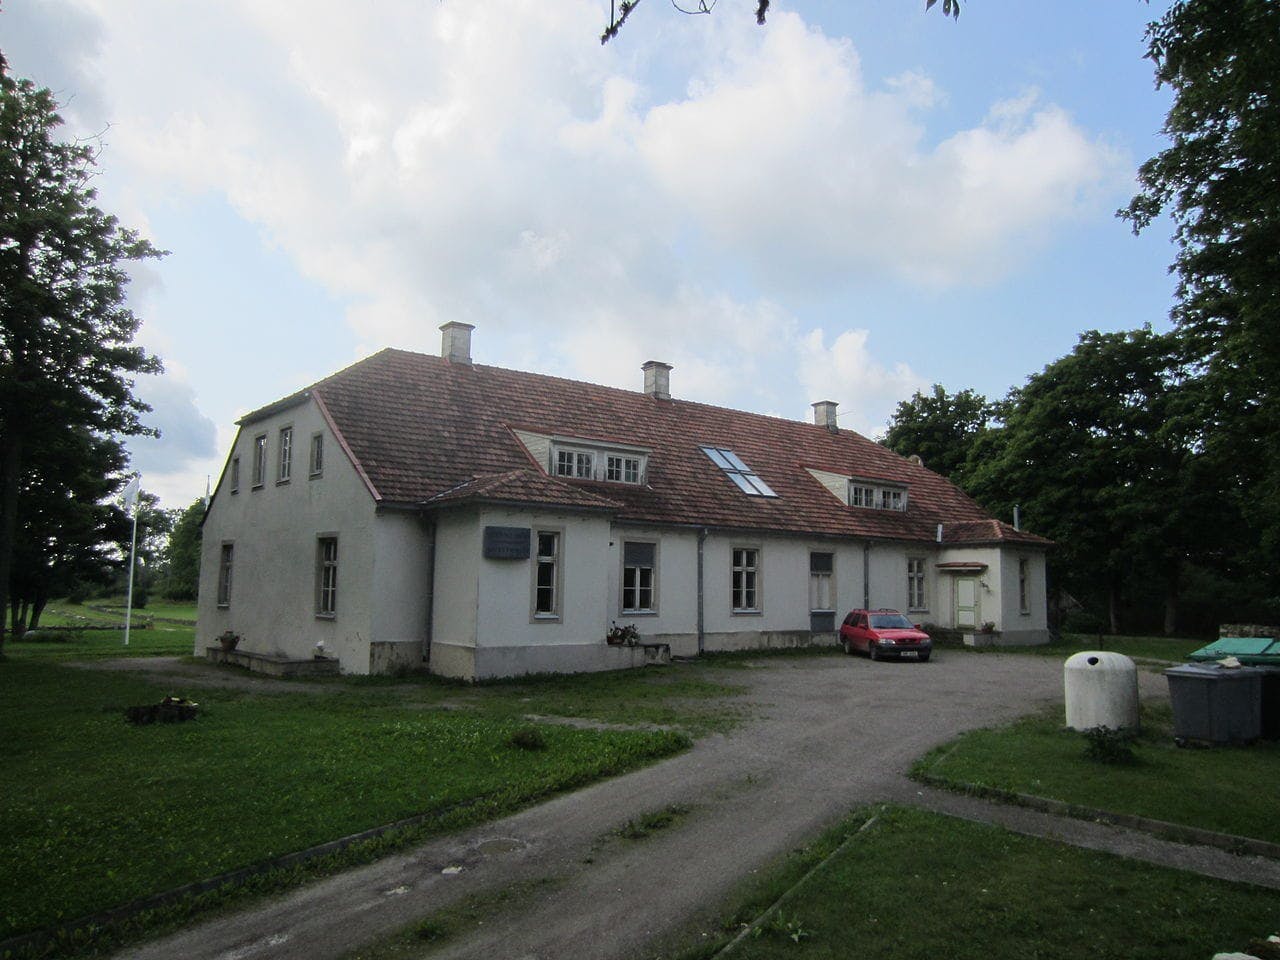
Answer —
(1252, 651)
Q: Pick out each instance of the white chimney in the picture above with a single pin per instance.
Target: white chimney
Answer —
(824, 414)
(657, 379)
(455, 342)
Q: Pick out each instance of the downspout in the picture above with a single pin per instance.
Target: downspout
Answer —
(431, 590)
(866, 575)
(702, 634)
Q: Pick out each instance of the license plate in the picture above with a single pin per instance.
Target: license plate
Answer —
(908, 654)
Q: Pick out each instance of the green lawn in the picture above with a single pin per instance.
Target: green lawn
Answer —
(158, 640)
(97, 812)
(1228, 789)
(919, 886)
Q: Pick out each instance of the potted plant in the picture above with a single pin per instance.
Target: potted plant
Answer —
(228, 640)
(627, 634)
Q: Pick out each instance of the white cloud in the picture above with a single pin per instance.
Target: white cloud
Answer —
(491, 163)
(847, 372)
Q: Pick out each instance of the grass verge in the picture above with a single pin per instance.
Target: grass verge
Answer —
(1164, 649)
(159, 640)
(99, 812)
(918, 885)
(1227, 789)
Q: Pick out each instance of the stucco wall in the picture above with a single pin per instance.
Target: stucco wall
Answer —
(676, 576)
(401, 587)
(1016, 626)
(273, 530)
(456, 593)
(505, 611)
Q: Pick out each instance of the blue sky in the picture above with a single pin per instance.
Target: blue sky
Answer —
(852, 202)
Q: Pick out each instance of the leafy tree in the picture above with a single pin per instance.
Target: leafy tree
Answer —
(66, 331)
(68, 526)
(1105, 452)
(1218, 180)
(181, 577)
(939, 428)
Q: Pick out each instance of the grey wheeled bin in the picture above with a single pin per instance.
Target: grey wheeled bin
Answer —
(1215, 704)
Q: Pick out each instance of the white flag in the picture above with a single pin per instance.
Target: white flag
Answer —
(131, 494)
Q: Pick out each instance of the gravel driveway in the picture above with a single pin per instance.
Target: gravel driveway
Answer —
(827, 734)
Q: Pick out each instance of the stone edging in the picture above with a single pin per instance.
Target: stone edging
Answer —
(1160, 828)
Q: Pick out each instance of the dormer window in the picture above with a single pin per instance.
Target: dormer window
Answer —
(582, 462)
(737, 471)
(575, 463)
(623, 469)
(877, 495)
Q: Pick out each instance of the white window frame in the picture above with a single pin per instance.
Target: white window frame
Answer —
(315, 458)
(745, 581)
(827, 578)
(622, 468)
(634, 572)
(226, 563)
(876, 496)
(284, 461)
(917, 597)
(554, 562)
(259, 461)
(574, 463)
(327, 576)
(235, 474)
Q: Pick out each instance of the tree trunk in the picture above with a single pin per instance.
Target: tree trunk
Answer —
(37, 608)
(10, 472)
(18, 623)
(1113, 610)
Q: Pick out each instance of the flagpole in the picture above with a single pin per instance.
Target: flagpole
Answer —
(131, 494)
(128, 604)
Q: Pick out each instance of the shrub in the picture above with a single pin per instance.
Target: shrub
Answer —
(528, 738)
(1105, 745)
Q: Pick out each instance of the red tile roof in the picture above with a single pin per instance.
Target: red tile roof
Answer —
(527, 486)
(424, 429)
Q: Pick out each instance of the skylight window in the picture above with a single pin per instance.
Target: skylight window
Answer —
(739, 472)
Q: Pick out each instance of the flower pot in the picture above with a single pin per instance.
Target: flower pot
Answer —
(228, 641)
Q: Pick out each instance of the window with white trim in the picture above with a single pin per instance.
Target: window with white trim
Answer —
(224, 574)
(285, 464)
(316, 466)
(639, 577)
(915, 584)
(546, 576)
(736, 470)
(877, 496)
(745, 585)
(259, 460)
(620, 469)
(575, 463)
(235, 474)
(326, 576)
(1024, 586)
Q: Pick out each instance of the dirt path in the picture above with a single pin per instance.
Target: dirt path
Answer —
(828, 734)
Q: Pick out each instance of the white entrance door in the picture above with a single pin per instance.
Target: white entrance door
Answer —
(966, 603)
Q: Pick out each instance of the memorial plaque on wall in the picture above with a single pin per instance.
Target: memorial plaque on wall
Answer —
(506, 543)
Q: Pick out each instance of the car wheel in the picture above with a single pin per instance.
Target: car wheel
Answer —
(873, 650)
(924, 658)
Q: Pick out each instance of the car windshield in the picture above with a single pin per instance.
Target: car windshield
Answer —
(890, 621)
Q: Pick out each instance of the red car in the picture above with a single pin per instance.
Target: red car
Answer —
(884, 633)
